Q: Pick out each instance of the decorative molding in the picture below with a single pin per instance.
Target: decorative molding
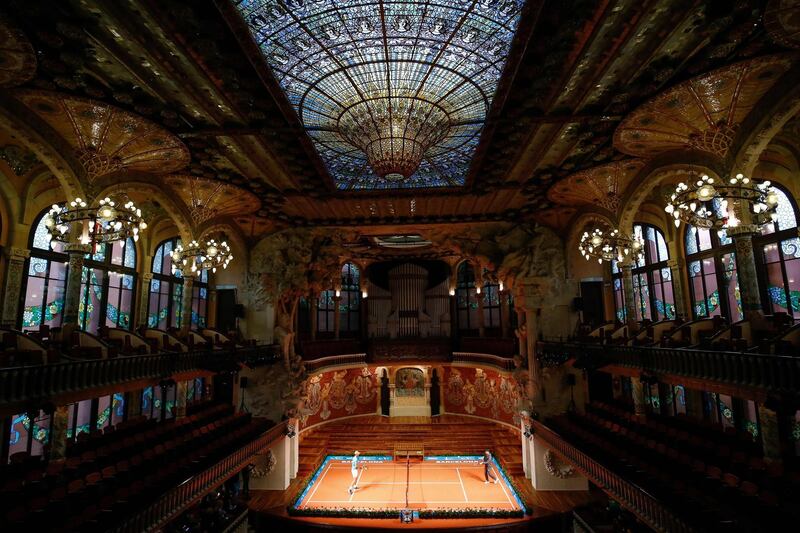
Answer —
(556, 468)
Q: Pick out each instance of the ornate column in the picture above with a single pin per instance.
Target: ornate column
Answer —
(180, 399)
(630, 302)
(186, 303)
(535, 294)
(336, 315)
(314, 314)
(746, 268)
(639, 407)
(144, 295)
(14, 273)
(505, 314)
(58, 433)
(481, 320)
(770, 432)
(72, 293)
(677, 269)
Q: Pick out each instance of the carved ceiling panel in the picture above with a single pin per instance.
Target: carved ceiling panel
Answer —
(208, 199)
(17, 57)
(602, 186)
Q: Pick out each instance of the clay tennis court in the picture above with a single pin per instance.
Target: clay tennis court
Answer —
(433, 483)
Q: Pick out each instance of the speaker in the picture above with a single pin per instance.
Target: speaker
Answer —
(577, 303)
(243, 382)
(238, 311)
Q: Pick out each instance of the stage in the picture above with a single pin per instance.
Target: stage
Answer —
(431, 486)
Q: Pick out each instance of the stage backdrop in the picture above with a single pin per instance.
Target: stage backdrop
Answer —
(340, 393)
(481, 392)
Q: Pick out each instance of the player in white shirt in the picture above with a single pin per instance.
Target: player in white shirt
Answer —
(354, 471)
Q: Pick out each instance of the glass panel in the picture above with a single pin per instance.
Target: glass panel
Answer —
(117, 253)
(118, 408)
(786, 215)
(691, 240)
(103, 412)
(20, 429)
(679, 397)
(147, 402)
(130, 254)
(84, 417)
(619, 299)
(89, 314)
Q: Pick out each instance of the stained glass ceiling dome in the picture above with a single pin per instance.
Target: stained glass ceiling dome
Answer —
(393, 94)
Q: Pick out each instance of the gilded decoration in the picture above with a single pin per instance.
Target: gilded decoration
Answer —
(17, 56)
(602, 186)
(208, 199)
(782, 21)
(19, 159)
(703, 113)
(107, 139)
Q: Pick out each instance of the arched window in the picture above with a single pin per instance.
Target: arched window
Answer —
(780, 252)
(350, 304)
(652, 279)
(713, 282)
(108, 284)
(491, 304)
(165, 303)
(466, 298)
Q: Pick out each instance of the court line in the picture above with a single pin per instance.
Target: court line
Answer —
(318, 482)
(414, 483)
(466, 499)
(502, 483)
(496, 502)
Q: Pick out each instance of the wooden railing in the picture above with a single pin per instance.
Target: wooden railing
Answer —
(775, 372)
(634, 498)
(27, 383)
(335, 360)
(505, 363)
(176, 500)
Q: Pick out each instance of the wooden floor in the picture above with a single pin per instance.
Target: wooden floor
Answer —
(442, 435)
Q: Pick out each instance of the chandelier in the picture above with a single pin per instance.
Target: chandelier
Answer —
(608, 245)
(196, 257)
(706, 203)
(106, 223)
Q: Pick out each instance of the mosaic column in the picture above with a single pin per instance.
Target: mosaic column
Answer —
(14, 273)
(144, 295)
(180, 399)
(746, 268)
(186, 303)
(336, 315)
(134, 401)
(639, 407)
(770, 432)
(627, 285)
(314, 314)
(58, 433)
(676, 268)
(72, 293)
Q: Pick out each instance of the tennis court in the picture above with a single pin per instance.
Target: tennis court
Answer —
(437, 482)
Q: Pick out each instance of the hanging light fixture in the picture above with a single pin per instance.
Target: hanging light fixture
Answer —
(110, 221)
(707, 203)
(608, 245)
(195, 257)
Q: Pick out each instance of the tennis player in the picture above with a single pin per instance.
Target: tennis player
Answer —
(487, 470)
(354, 470)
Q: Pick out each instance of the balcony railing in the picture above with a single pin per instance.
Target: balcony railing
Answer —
(505, 363)
(775, 372)
(634, 498)
(178, 499)
(30, 383)
(335, 360)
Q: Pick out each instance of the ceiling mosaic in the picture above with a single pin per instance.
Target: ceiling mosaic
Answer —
(703, 113)
(208, 199)
(17, 57)
(602, 186)
(393, 94)
(782, 21)
(107, 139)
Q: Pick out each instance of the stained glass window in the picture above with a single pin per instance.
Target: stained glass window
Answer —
(165, 301)
(392, 94)
(466, 299)
(780, 253)
(350, 304)
(326, 307)
(491, 304)
(713, 279)
(652, 279)
(110, 266)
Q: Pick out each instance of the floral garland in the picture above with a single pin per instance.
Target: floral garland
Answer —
(265, 469)
(557, 471)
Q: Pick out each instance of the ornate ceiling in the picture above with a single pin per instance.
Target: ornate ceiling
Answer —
(521, 100)
(600, 186)
(393, 94)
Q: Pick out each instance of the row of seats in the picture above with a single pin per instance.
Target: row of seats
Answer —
(99, 494)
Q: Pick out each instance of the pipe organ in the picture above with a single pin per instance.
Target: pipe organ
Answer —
(408, 308)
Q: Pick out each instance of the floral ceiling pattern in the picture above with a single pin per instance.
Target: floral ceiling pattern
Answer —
(393, 94)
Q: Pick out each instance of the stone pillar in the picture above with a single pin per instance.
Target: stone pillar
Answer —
(639, 406)
(337, 318)
(180, 399)
(294, 446)
(186, 304)
(770, 432)
(746, 268)
(314, 315)
(677, 270)
(144, 295)
(526, 449)
(72, 293)
(505, 314)
(630, 302)
(534, 298)
(11, 296)
(58, 433)
(481, 319)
